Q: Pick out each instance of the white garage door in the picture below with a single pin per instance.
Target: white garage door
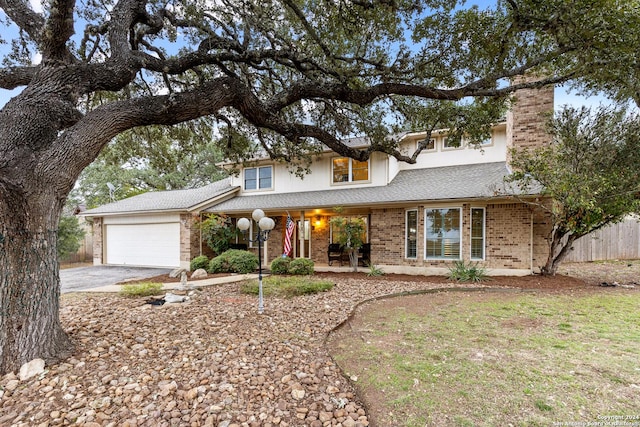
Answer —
(153, 245)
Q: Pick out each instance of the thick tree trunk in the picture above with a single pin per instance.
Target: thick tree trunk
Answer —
(29, 280)
(558, 250)
(353, 259)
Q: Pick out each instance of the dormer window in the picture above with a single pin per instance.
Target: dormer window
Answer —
(259, 178)
(345, 169)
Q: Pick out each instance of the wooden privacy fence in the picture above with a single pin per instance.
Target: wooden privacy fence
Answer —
(85, 252)
(617, 241)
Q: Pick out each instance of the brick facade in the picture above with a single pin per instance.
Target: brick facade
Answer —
(526, 120)
(97, 241)
(510, 229)
(186, 241)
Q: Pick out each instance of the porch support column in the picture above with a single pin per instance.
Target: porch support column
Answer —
(301, 235)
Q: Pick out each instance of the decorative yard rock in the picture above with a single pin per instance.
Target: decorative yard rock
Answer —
(173, 298)
(30, 369)
(200, 273)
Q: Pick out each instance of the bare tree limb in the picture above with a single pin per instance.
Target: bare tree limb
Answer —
(24, 17)
(12, 77)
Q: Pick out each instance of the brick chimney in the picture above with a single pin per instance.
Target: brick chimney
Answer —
(527, 117)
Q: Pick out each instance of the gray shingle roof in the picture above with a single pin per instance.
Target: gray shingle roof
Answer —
(158, 201)
(437, 184)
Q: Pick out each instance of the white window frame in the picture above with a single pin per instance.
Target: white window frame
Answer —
(350, 172)
(484, 233)
(424, 239)
(428, 150)
(488, 142)
(444, 144)
(258, 188)
(406, 233)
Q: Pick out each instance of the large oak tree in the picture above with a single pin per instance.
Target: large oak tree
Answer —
(287, 74)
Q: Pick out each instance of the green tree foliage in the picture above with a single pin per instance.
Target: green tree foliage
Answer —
(152, 158)
(589, 174)
(218, 232)
(349, 232)
(70, 234)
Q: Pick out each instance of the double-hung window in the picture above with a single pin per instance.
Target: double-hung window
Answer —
(345, 169)
(442, 233)
(259, 178)
(411, 234)
(477, 233)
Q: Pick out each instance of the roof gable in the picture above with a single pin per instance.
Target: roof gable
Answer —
(168, 201)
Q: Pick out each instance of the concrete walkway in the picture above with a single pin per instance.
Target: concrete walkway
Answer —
(176, 285)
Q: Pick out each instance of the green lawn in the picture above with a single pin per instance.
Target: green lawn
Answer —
(496, 359)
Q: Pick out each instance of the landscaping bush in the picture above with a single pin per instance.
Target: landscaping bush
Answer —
(234, 261)
(471, 272)
(143, 289)
(199, 262)
(280, 265)
(301, 266)
(287, 286)
(374, 271)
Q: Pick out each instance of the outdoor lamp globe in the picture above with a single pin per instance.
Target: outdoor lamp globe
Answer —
(257, 215)
(266, 223)
(243, 224)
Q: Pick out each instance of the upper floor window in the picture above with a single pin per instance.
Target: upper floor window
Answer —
(345, 169)
(429, 145)
(259, 178)
(449, 143)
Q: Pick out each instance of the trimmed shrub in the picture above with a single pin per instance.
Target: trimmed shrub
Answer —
(280, 265)
(143, 289)
(287, 286)
(301, 266)
(201, 261)
(234, 261)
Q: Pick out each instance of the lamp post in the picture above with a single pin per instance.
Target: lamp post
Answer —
(265, 224)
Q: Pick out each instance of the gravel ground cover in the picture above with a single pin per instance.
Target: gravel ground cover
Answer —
(212, 361)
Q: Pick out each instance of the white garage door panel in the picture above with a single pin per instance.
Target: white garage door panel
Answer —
(156, 245)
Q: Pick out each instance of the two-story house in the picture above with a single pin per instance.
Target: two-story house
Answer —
(419, 217)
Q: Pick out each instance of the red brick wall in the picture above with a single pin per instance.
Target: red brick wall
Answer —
(508, 234)
(526, 120)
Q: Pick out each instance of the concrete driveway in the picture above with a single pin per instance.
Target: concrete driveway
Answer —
(84, 278)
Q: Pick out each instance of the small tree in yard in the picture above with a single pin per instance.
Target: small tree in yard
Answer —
(350, 232)
(590, 175)
(218, 232)
(69, 235)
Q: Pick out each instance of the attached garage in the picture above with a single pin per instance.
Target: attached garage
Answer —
(154, 229)
(152, 241)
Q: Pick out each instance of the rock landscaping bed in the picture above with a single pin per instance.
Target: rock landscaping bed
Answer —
(211, 361)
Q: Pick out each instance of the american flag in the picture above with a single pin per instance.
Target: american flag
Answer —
(287, 235)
